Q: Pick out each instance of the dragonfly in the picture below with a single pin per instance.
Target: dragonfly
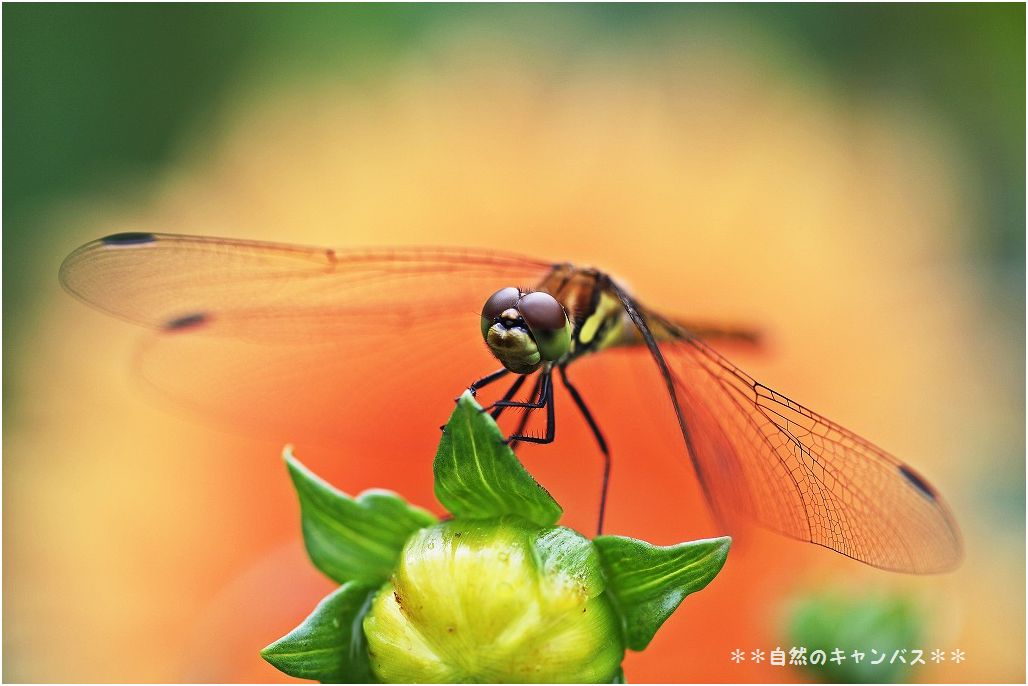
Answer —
(319, 340)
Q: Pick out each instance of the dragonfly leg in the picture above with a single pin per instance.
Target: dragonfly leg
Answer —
(545, 400)
(526, 415)
(544, 392)
(598, 435)
(486, 380)
(514, 387)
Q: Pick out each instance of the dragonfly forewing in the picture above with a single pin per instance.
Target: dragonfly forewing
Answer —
(316, 345)
(300, 344)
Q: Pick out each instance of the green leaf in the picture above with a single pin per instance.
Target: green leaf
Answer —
(478, 476)
(353, 539)
(329, 645)
(649, 582)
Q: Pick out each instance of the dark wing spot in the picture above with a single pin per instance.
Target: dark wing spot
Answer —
(917, 480)
(189, 321)
(128, 238)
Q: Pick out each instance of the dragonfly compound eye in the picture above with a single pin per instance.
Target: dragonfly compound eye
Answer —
(498, 303)
(548, 323)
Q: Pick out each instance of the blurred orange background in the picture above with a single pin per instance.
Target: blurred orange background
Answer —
(723, 174)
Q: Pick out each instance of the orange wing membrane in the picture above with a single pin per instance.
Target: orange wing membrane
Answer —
(771, 459)
(295, 344)
(763, 456)
(310, 343)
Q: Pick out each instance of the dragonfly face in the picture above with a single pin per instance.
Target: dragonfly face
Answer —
(301, 341)
(524, 330)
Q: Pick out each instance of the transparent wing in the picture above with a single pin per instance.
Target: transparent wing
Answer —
(768, 458)
(309, 345)
(301, 344)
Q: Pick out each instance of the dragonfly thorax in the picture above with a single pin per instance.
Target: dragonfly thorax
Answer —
(525, 330)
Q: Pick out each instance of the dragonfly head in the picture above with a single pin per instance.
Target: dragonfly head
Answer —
(524, 330)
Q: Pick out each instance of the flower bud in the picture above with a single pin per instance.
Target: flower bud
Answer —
(499, 600)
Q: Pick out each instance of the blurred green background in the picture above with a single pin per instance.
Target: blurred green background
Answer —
(101, 101)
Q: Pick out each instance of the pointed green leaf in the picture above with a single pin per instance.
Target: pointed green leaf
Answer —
(353, 539)
(329, 645)
(478, 476)
(648, 582)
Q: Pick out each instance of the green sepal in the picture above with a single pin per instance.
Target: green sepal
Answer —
(353, 539)
(477, 476)
(329, 645)
(649, 582)
(564, 552)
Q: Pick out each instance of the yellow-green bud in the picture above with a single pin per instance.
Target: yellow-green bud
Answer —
(495, 601)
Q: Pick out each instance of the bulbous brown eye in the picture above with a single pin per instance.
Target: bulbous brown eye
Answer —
(499, 302)
(542, 312)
